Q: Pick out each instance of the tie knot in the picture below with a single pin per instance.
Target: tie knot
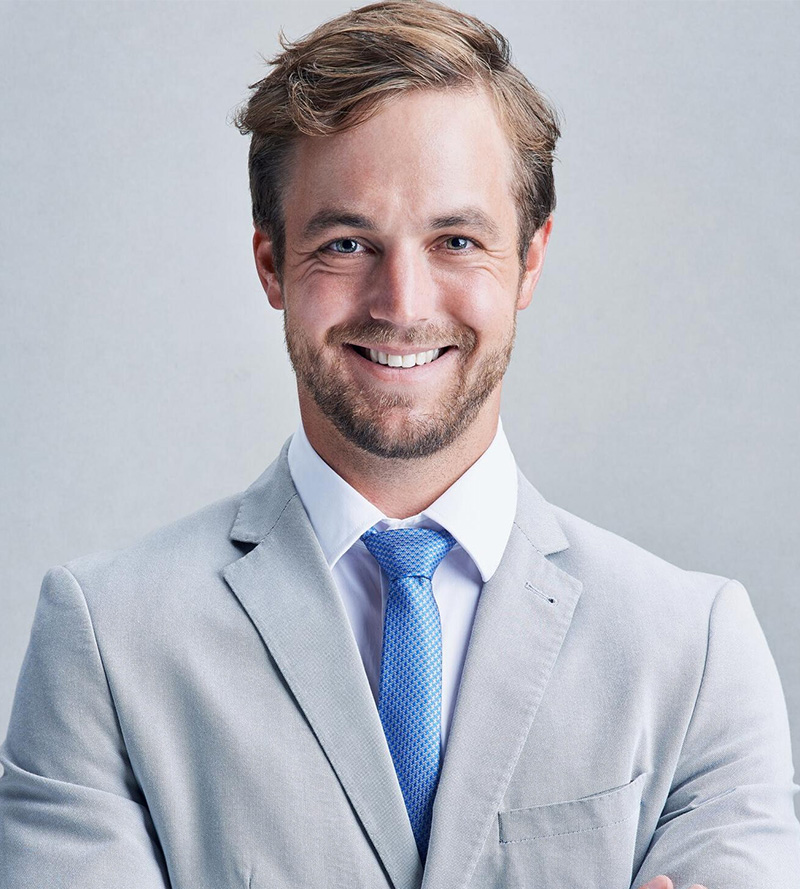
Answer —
(408, 552)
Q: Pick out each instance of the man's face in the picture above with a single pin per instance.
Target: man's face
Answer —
(401, 247)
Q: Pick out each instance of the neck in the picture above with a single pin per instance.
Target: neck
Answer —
(401, 488)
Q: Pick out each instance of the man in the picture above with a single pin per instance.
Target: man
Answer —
(390, 662)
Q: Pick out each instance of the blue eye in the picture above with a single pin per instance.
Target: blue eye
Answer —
(457, 243)
(344, 245)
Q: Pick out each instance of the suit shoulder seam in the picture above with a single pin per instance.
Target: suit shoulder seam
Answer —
(90, 621)
(727, 582)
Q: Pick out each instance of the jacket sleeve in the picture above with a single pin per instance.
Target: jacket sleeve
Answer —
(71, 811)
(729, 821)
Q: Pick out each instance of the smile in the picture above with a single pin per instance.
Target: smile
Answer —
(411, 360)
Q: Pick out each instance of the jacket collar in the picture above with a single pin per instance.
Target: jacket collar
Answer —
(263, 502)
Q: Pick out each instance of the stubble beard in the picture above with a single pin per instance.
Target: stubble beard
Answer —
(361, 415)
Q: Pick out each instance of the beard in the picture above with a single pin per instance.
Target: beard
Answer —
(361, 414)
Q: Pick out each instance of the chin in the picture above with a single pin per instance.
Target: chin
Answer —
(403, 438)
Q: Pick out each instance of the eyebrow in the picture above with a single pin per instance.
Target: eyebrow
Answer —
(327, 218)
(470, 217)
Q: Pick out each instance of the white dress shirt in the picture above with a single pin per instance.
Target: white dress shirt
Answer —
(478, 509)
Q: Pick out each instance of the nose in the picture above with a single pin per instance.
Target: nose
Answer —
(402, 289)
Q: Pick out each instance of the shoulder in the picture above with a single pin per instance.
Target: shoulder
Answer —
(604, 555)
(188, 555)
(624, 583)
(189, 552)
(198, 536)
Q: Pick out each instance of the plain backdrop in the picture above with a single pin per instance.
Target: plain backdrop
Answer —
(654, 386)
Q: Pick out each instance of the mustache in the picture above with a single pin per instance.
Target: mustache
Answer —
(384, 333)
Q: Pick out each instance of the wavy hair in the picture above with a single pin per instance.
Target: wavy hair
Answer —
(345, 70)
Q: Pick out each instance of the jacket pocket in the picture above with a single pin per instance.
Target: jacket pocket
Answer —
(593, 812)
(588, 841)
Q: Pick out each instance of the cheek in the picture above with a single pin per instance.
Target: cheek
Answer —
(330, 293)
(318, 305)
(480, 302)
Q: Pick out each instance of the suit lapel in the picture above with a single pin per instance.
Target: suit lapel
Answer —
(523, 615)
(524, 612)
(287, 589)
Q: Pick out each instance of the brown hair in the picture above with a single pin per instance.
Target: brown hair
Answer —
(345, 70)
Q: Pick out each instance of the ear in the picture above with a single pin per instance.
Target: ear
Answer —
(265, 264)
(533, 263)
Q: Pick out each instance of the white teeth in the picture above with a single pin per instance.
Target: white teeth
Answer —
(404, 360)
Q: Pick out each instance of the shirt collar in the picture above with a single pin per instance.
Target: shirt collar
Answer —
(478, 509)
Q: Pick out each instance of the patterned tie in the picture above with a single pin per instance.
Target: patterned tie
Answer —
(410, 697)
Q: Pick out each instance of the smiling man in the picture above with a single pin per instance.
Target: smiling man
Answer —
(401, 277)
(390, 662)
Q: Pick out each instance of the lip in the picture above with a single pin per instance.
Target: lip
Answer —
(399, 374)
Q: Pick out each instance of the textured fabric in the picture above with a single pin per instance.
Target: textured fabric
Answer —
(477, 509)
(193, 713)
(410, 701)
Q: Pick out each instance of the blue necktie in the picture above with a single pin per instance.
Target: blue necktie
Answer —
(410, 696)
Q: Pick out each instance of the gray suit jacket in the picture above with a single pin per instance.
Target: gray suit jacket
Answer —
(193, 712)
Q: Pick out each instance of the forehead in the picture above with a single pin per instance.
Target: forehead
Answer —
(418, 153)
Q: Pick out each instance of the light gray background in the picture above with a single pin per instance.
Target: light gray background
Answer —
(654, 387)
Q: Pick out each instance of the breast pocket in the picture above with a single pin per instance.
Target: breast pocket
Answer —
(583, 842)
